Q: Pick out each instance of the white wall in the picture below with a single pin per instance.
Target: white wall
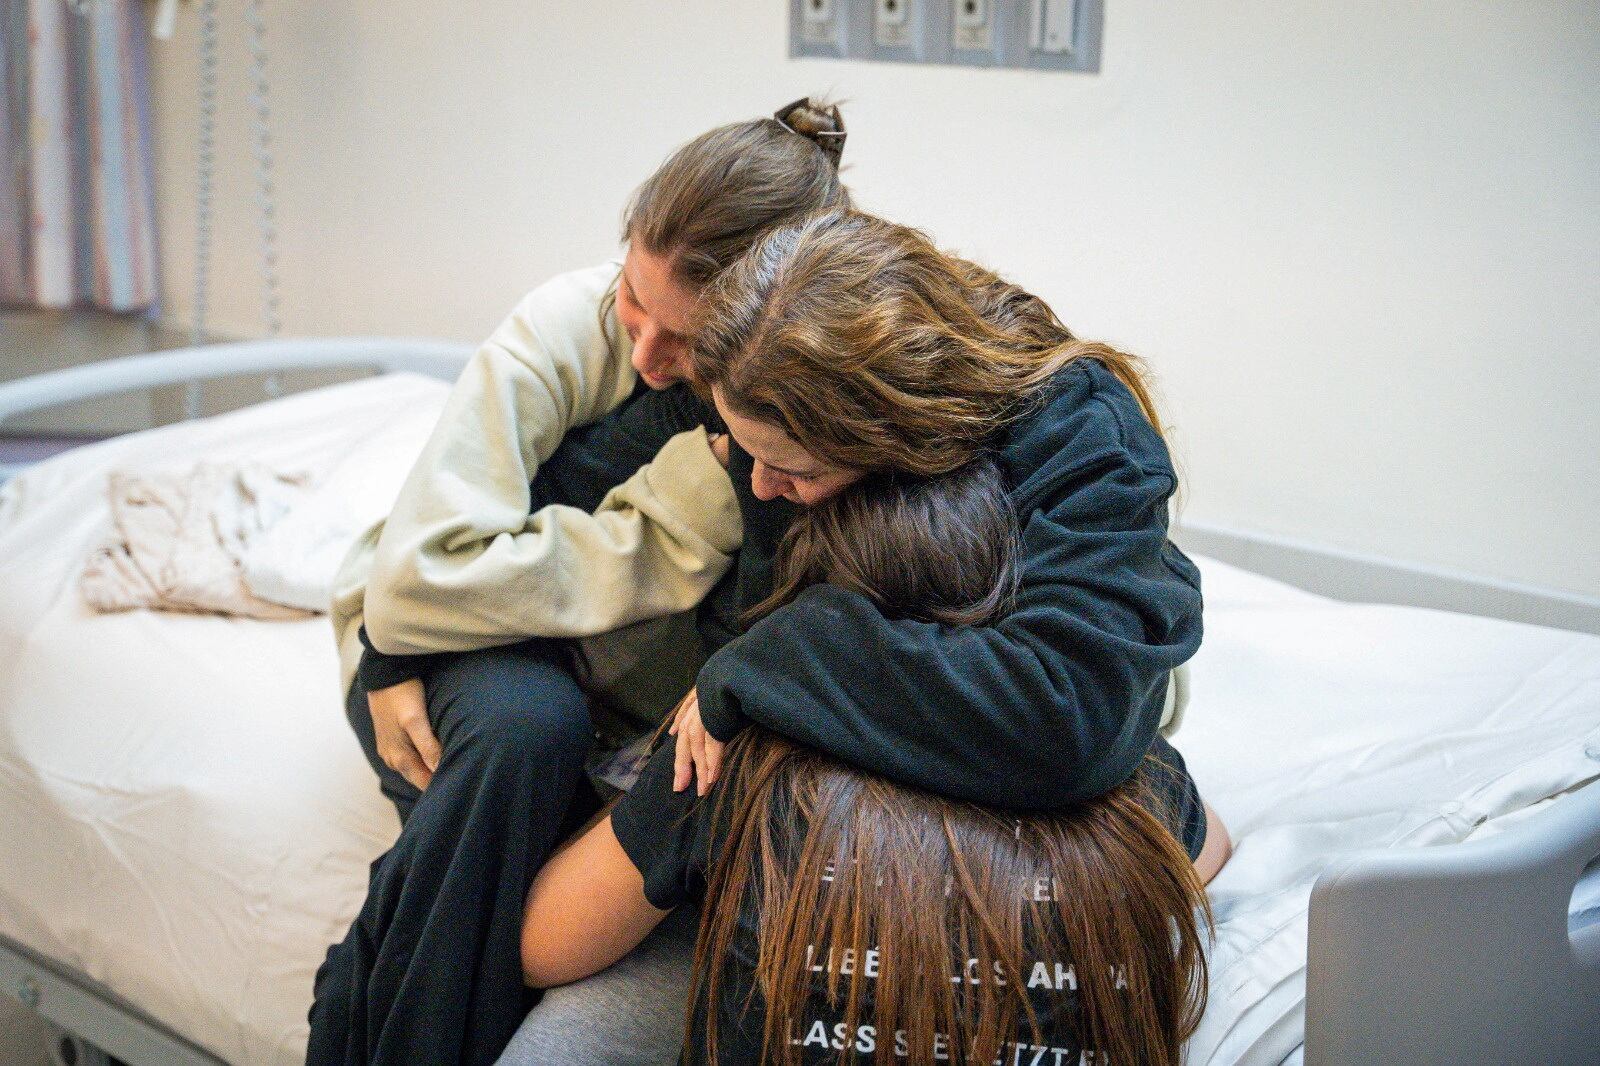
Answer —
(1359, 242)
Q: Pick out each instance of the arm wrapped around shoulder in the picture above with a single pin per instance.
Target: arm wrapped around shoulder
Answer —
(1054, 703)
(655, 546)
(461, 563)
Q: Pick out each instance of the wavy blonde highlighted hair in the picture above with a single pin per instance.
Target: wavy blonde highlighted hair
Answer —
(876, 351)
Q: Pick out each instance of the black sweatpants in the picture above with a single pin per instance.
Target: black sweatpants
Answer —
(431, 970)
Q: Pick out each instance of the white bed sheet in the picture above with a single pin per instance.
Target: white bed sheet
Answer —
(184, 813)
(185, 817)
(1318, 728)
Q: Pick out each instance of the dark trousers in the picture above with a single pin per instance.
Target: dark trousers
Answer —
(431, 970)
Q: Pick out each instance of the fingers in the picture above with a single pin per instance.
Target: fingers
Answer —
(423, 740)
(404, 738)
(690, 702)
(698, 754)
(682, 762)
(697, 748)
(713, 762)
(410, 767)
(399, 755)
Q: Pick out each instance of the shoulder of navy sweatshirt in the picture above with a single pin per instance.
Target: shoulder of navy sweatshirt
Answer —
(590, 461)
(1054, 704)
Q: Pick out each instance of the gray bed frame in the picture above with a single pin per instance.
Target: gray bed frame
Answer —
(1474, 952)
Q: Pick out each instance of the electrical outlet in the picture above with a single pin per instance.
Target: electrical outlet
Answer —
(1063, 34)
(816, 28)
(816, 21)
(972, 25)
(892, 23)
(1050, 26)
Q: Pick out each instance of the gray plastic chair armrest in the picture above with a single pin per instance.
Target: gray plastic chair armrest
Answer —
(1462, 953)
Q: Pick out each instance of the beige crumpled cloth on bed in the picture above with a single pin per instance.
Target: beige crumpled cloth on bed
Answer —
(180, 536)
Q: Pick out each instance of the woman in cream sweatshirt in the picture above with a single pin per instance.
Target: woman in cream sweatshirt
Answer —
(450, 614)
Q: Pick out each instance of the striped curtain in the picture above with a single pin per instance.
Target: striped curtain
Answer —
(77, 207)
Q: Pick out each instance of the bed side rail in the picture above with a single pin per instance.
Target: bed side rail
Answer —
(1463, 953)
(93, 1012)
(179, 366)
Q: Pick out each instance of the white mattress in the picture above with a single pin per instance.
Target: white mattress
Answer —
(1319, 727)
(185, 817)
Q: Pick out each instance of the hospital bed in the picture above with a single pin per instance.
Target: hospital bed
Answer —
(186, 823)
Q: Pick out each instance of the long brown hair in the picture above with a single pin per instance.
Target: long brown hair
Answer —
(876, 351)
(836, 864)
(704, 207)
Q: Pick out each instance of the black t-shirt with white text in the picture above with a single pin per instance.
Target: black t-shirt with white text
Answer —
(669, 837)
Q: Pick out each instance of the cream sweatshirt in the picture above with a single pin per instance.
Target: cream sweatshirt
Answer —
(460, 564)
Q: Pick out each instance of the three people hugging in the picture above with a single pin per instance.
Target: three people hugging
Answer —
(902, 539)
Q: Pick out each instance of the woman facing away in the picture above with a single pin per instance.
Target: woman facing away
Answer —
(841, 352)
(448, 614)
(848, 918)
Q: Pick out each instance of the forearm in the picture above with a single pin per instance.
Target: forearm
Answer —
(971, 716)
(655, 546)
(1054, 704)
(549, 367)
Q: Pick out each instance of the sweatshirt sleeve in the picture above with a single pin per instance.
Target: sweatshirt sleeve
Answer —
(1054, 704)
(462, 564)
(378, 671)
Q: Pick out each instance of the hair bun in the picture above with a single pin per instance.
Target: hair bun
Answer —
(819, 123)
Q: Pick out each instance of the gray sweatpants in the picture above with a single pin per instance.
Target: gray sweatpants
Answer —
(630, 1014)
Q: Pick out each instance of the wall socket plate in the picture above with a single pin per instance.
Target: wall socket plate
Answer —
(817, 28)
(976, 33)
(972, 25)
(898, 28)
(1062, 35)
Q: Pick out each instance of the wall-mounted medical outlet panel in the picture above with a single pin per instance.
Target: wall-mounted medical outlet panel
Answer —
(899, 30)
(1028, 34)
(816, 28)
